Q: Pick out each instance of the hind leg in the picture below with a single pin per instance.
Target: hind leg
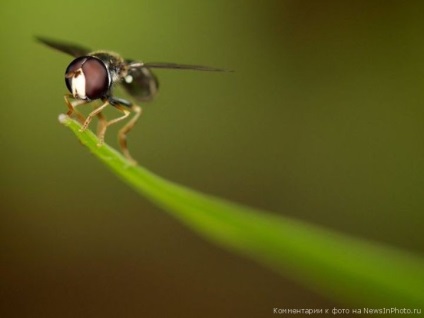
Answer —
(122, 134)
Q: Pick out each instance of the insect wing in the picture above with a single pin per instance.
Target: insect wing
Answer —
(185, 67)
(140, 82)
(72, 49)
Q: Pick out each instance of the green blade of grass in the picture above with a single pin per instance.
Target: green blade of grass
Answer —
(344, 268)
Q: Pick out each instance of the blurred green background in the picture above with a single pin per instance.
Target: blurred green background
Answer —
(322, 121)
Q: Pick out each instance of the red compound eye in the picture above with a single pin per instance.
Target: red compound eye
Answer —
(87, 78)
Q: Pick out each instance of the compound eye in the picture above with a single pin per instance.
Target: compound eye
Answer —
(87, 78)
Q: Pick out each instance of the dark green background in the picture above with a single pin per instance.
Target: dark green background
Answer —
(322, 121)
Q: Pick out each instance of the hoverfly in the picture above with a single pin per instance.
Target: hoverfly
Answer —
(92, 75)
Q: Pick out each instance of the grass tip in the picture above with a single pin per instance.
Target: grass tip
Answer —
(63, 118)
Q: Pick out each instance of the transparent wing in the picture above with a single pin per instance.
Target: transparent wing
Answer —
(72, 49)
(140, 82)
(185, 67)
(143, 85)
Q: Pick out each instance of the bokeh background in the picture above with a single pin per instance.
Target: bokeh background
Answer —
(321, 121)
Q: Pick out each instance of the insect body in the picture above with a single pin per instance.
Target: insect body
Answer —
(92, 75)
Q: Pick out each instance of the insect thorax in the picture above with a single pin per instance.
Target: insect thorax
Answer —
(114, 62)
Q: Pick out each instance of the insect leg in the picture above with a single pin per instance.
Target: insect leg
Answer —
(92, 114)
(126, 107)
(122, 134)
(101, 127)
(71, 107)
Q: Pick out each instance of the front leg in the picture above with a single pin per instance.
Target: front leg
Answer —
(73, 105)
